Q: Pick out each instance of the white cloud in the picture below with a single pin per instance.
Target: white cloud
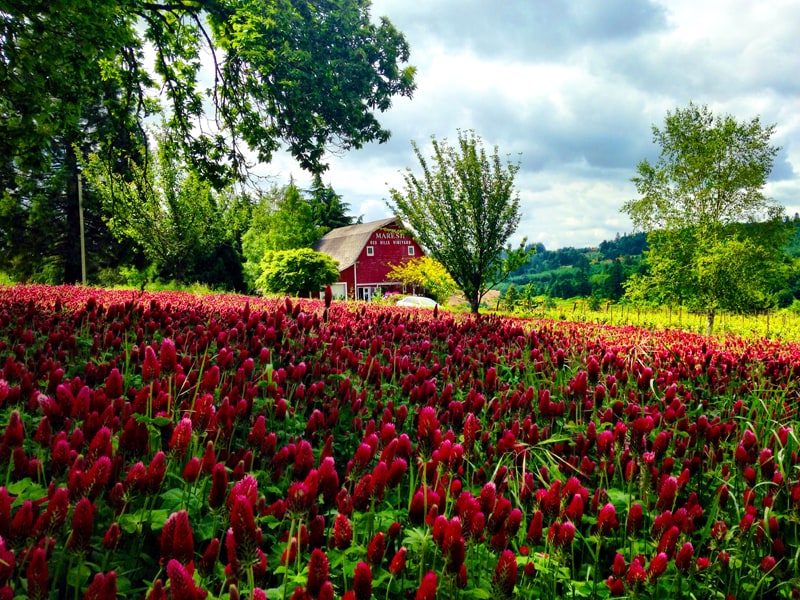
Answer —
(574, 87)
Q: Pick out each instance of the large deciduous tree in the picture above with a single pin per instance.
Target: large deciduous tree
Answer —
(310, 75)
(463, 209)
(54, 98)
(716, 241)
(307, 76)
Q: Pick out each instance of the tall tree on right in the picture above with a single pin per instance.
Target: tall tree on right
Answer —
(716, 241)
(463, 209)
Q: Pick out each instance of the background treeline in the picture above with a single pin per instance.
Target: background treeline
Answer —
(176, 235)
(600, 272)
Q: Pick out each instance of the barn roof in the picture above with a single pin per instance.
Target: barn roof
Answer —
(345, 243)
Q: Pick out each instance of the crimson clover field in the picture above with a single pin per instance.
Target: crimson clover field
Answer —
(165, 445)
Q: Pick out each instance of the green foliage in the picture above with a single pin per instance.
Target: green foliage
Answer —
(327, 209)
(425, 274)
(308, 75)
(707, 181)
(623, 245)
(56, 96)
(130, 276)
(711, 173)
(736, 272)
(511, 298)
(567, 283)
(593, 303)
(613, 262)
(463, 209)
(299, 272)
(198, 288)
(579, 272)
(281, 220)
(612, 284)
(40, 226)
(166, 208)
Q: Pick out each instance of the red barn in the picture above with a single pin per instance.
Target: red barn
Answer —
(366, 253)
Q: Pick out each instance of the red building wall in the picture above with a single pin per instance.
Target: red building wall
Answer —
(385, 248)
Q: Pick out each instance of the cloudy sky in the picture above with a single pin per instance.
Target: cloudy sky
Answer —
(571, 89)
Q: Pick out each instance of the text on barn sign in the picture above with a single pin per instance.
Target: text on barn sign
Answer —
(386, 238)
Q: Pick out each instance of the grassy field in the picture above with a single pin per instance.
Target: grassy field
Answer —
(781, 324)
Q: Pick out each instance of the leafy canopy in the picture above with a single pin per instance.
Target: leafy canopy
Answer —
(463, 209)
(165, 208)
(715, 239)
(235, 80)
(56, 101)
(281, 220)
(307, 75)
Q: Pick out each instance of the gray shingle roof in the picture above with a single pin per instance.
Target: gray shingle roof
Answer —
(345, 243)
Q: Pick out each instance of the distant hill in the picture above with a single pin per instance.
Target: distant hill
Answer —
(570, 272)
(601, 271)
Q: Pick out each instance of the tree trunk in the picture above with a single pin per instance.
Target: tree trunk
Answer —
(709, 322)
(180, 271)
(474, 303)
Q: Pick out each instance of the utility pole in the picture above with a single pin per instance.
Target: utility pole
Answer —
(83, 234)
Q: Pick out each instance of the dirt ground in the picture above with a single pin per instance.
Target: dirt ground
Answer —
(490, 299)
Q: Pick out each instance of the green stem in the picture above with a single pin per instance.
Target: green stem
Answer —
(389, 586)
(59, 571)
(77, 587)
(106, 558)
(596, 567)
(574, 569)
(288, 553)
(422, 558)
(298, 556)
(251, 581)
(344, 579)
